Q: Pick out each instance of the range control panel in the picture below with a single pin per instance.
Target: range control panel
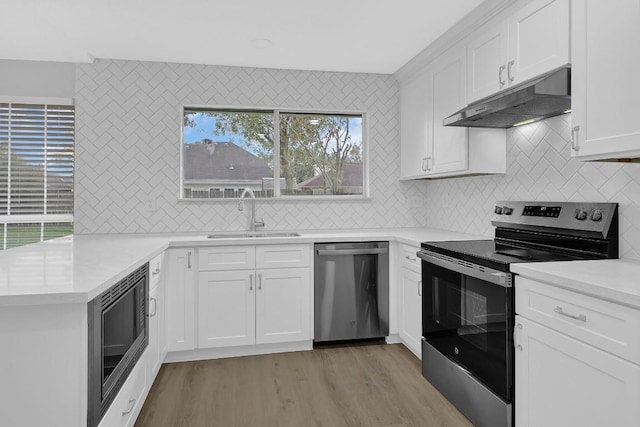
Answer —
(570, 215)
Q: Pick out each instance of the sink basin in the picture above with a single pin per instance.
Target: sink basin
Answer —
(249, 234)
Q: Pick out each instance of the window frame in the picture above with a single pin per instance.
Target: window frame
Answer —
(44, 218)
(276, 111)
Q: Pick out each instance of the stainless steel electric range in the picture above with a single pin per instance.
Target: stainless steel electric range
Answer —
(468, 297)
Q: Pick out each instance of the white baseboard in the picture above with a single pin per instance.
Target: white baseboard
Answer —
(225, 352)
(393, 339)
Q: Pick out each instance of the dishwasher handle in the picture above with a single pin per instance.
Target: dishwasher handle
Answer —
(333, 252)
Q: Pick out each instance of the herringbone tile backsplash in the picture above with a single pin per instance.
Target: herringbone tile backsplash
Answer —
(128, 146)
(539, 168)
(128, 142)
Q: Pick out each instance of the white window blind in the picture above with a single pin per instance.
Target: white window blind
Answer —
(36, 172)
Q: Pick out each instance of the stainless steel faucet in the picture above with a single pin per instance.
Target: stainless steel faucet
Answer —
(253, 224)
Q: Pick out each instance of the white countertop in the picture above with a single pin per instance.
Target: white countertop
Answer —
(78, 268)
(616, 280)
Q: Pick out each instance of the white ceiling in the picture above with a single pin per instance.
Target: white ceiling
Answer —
(373, 36)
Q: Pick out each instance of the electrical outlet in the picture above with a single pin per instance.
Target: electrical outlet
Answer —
(149, 204)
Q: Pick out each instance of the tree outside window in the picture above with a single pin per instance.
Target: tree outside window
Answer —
(317, 154)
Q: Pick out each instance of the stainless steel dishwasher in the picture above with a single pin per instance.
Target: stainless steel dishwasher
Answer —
(351, 291)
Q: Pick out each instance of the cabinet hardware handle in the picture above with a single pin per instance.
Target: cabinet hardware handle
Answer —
(419, 288)
(500, 70)
(260, 281)
(511, 78)
(155, 307)
(156, 271)
(132, 403)
(251, 282)
(427, 159)
(411, 259)
(424, 164)
(580, 317)
(188, 259)
(517, 328)
(574, 138)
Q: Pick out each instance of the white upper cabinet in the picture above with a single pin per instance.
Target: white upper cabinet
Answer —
(605, 84)
(448, 149)
(532, 41)
(415, 124)
(487, 62)
(538, 39)
(431, 150)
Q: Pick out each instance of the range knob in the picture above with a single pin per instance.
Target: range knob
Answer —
(580, 214)
(507, 210)
(498, 210)
(596, 215)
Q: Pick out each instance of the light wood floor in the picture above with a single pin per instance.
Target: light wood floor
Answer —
(365, 385)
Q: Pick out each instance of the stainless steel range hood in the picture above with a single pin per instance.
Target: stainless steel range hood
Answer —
(545, 97)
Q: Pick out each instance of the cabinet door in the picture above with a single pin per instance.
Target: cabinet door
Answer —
(153, 349)
(416, 117)
(180, 290)
(564, 382)
(538, 39)
(226, 308)
(283, 305)
(156, 318)
(604, 79)
(486, 62)
(411, 317)
(448, 148)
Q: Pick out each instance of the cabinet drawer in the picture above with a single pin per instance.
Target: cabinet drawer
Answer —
(155, 270)
(409, 259)
(603, 324)
(227, 258)
(282, 256)
(127, 404)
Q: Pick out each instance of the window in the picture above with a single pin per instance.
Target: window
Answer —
(36, 172)
(312, 154)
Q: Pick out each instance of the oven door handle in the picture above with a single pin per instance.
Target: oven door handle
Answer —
(469, 269)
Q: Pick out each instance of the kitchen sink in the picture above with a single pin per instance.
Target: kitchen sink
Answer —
(252, 234)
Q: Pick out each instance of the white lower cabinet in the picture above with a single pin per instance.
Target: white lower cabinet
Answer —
(563, 374)
(411, 299)
(561, 381)
(156, 318)
(283, 306)
(252, 305)
(180, 293)
(226, 308)
(129, 401)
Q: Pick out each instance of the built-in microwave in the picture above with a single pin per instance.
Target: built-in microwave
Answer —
(118, 335)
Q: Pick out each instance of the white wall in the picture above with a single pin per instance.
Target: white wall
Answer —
(128, 125)
(37, 79)
(539, 168)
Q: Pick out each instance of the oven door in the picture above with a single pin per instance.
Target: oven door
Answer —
(467, 315)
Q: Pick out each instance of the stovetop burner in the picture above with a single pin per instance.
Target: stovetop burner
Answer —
(495, 254)
(535, 232)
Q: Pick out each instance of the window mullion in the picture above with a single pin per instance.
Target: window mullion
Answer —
(9, 136)
(276, 153)
(45, 164)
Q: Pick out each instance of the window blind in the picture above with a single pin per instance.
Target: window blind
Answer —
(36, 172)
